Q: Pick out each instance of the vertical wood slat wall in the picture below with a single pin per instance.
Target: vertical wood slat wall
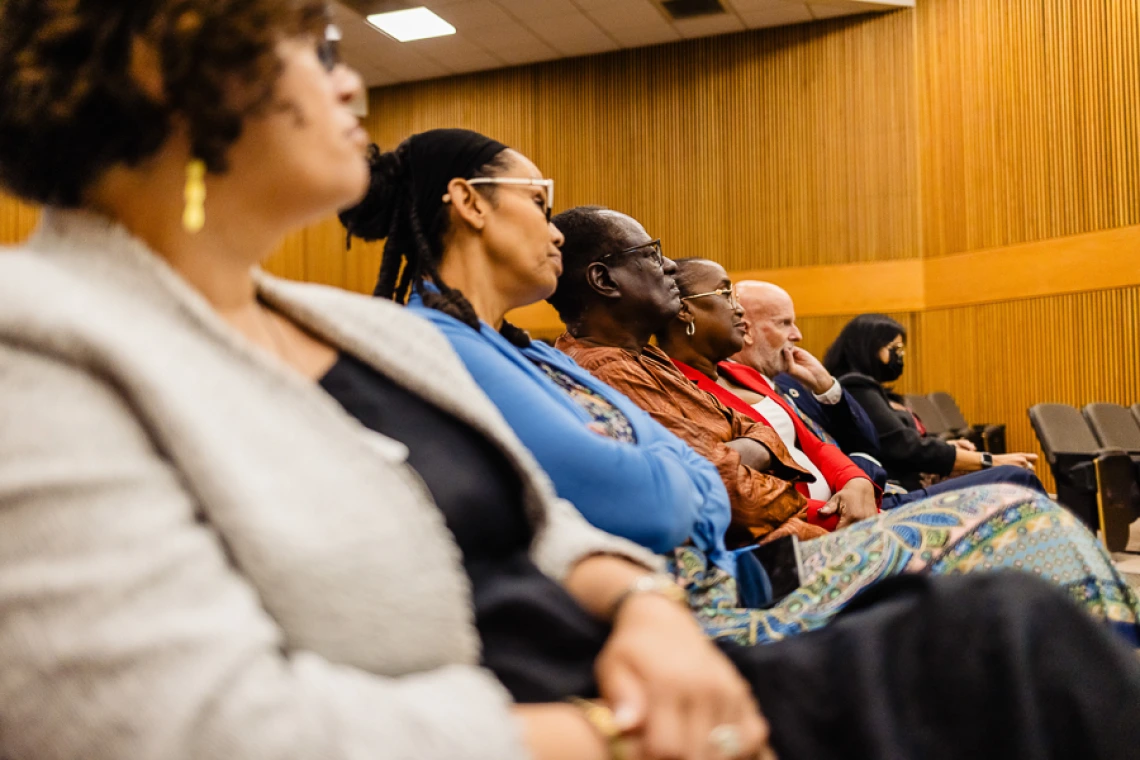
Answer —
(16, 220)
(775, 148)
(1028, 113)
(1070, 349)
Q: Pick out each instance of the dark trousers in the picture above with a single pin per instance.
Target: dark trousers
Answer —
(1006, 473)
(998, 666)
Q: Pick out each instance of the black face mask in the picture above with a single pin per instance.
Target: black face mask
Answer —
(893, 369)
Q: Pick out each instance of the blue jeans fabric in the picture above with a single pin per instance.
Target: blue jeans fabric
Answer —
(1003, 474)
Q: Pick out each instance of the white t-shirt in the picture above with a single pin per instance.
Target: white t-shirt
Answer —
(782, 423)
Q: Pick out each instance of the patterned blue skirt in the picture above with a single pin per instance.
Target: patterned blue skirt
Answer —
(969, 531)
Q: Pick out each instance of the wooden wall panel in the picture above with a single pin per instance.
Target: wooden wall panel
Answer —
(999, 359)
(1028, 114)
(775, 148)
(16, 220)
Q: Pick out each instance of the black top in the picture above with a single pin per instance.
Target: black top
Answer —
(538, 641)
(905, 452)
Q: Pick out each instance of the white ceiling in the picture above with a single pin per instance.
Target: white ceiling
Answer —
(492, 34)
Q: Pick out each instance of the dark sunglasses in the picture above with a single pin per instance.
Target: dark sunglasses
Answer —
(653, 247)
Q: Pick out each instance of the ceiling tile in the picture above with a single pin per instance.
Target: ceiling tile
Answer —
(638, 36)
(838, 8)
(378, 77)
(516, 56)
(789, 13)
(474, 14)
(496, 33)
(469, 65)
(748, 6)
(457, 52)
(509, 34)
(530, 9)
(572, 34)
(574, 48)
(408, 66)
(626, 14)
(706, 26)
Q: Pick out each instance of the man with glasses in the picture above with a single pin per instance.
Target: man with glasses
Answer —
(798, 379)
(616, 292)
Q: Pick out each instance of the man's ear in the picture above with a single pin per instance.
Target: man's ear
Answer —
(748, 339)
(467, 202)
(601, 281)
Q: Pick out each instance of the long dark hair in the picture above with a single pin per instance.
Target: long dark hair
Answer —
(858, 345)
(394, 211)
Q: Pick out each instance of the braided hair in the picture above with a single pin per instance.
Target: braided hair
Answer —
(414, 246)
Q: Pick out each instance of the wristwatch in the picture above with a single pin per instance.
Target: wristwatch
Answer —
(654, 583)
(987, 460)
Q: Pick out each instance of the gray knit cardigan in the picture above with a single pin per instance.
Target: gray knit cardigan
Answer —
(202, 555)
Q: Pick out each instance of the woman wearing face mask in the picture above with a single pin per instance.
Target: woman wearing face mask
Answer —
(867, 357)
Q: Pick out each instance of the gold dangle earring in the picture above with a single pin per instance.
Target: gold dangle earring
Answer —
(194, 213)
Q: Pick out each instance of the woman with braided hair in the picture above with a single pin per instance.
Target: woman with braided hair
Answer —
(468, 238)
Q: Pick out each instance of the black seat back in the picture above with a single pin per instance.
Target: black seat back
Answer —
(1136, 413)
(1114, 426)
(926, 411)
(1070, 449)
(948, 407)
(1096, 482)
(1062, 430)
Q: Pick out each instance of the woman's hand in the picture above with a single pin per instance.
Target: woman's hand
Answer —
(854, 502)
(963, 444)
(670, 687)
(1024, 461)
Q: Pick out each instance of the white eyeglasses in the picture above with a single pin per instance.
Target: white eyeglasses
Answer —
(523, 181)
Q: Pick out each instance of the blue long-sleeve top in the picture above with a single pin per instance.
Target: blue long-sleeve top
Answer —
(657, 492)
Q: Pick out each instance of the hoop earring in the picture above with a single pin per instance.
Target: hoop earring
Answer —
(690, 329)
(194, 212)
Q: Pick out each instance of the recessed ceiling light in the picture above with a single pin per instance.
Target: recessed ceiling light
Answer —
(411, 24)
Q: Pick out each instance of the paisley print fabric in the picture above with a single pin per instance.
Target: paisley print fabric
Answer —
(969, 531)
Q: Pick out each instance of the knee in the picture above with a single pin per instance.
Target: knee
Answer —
(1018, 476)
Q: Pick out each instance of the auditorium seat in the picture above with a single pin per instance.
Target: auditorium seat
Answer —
(1114, 427)
(1096, 483)
(931, 418)
(986, 437)
(1136, 413)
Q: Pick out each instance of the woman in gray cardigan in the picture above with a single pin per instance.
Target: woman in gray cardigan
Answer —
(204, 553)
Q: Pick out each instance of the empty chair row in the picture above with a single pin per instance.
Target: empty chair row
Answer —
(1094, 457)
(941, 416)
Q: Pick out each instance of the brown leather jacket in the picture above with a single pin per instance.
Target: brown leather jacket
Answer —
(764, 505)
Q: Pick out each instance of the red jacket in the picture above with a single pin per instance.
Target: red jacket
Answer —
(837, 469)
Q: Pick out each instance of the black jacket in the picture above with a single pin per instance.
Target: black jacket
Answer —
(905, 452)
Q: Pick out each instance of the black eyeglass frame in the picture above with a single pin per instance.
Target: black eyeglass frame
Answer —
(654, 244)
